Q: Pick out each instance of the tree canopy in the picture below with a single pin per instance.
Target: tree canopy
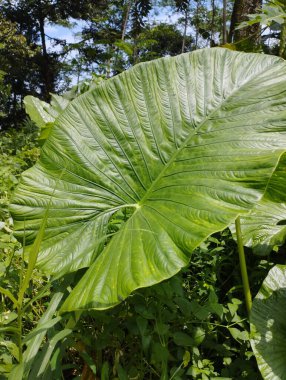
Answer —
(116, 35)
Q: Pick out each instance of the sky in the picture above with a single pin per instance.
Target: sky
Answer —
(64, 33)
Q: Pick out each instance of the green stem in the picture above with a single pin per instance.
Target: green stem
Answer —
(243, 269)
(19, 337)
(20, 301)
(282, 48)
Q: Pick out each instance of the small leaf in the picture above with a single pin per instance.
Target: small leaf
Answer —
(17, 372)
(11, 347)
(162, 328)
(142, 324)
(7, 316)
(183, 339)
(122, 375)
(33, 345)
(232, 308)
(186, 358)
(198, 335)
(89, 361)
(105, 371)
(40, 328)
(159, 353)
(238, 334)
(184, 305)
(215, 306)
(200, 312)
(47, 353)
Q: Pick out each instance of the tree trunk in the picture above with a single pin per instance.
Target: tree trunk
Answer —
(197, 26)
(47, 74)
(185, 30)
(212, 38)
(246, 38)
(45, 62)
(43, 37)
(224, 35)
(126, 17)
(282, 47)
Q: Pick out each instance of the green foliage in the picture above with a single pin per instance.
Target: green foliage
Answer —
(273, 17)
(5, 91)
(18, 151)
(14, 54)
(191, 326)
(272, 13)
(159, 41)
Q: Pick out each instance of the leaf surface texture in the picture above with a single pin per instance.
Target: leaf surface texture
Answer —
(188, 143)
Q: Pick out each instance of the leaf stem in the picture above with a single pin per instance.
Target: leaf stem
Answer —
(19, 337)
(243, 268)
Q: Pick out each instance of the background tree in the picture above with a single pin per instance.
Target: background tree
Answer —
(162, 40)
(271, 19)
(116, 35)
(15, 72)
(31, 18)
(248, 38)
(282, 49)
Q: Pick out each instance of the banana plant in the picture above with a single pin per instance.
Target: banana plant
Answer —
(182, 145)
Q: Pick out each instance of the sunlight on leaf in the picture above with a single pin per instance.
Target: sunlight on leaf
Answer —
(188, 142)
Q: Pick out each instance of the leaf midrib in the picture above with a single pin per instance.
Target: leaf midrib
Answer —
(178, 150)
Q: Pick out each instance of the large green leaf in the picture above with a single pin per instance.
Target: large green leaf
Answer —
(265, 226)
(268, 325)
(187, 143)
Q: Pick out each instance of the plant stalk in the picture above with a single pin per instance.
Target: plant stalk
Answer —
(243, 268)
(20, 327)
